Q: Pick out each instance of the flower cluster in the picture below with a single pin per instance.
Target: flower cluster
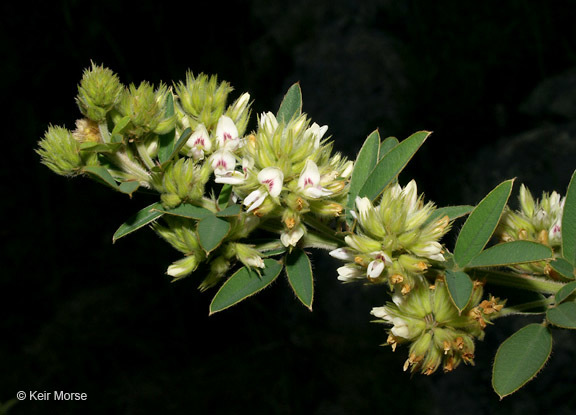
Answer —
(287, 172)
(393, 242)
(440, 336)
(537, 220)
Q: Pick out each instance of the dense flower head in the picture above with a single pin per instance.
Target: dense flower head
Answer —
(393, 242)
(537, 220)
(288, 170)
(438, 334)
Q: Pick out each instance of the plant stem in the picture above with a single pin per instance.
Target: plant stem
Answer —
(515, 280)
(518, 309)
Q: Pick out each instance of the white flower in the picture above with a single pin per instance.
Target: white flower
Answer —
(223, 162)
(315, 132)
(375, 268)
(432, 250)
(309, 181)
(231, 177)
(273, 179)
(350, 272)
(400, 328)
(268, 123)
(343, 254)
(364, 207)
(255, 199)
(348, 169)
(199, 142)
(555, 233)
(381, 312)
(254, 261)
(292, 237)
(227, 133)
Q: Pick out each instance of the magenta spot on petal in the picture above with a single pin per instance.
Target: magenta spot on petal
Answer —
(308, 182)
(556, 229)
(227, 136)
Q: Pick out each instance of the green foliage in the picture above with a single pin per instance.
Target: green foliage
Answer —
(299, 272)
(363, 166)
(569, 223)
(142, 218)
(481, 223)
(460, 287)
(391, 165)
(563, 315)
(212, 231)
(520, 358)
(243, 284)
(508, 253)
(291, 105)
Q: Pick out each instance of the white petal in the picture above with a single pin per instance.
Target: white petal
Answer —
(223, 161)
(375, 268)
(291, 238)
(310, 175)
(254, 199)
(343, 254)
(381, 312)
(231, 178)
(400, 328)
(317, 192)
(255, 261)
(363, 205)
(348, 273)
(273, 179)
(268, 122)
(227, 133)
(347, 170)
(200, 138)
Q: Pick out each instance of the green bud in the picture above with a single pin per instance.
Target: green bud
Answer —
(98, 92)
(219, 266)
(181, 234)
(182, 183)
(60, 152)
(146, 110)
(203, 98)
(183, 267)
(239, 112)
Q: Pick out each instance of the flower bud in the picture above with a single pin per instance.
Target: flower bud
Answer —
(98, 92)
(183, 267)
(60, 152)
(203, 98)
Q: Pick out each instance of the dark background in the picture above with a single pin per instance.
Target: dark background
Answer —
(495, 81)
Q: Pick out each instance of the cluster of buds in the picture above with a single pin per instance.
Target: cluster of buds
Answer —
(287, 172)
(440, 336)
(393, 242)
(537, 220)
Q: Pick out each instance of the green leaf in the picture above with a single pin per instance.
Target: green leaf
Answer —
(232, 210)
(142, 218)
(453, 212)
(520, 357)
(364, 164)
(515, 252)
(212, 231)
(391, 165)
(121, 125)
(460, 288)
(563, 315)
(91, 147)
(187, 211)
(564, 268)
(102, 175)
(224, 196)
(244, 283)
(129, 187)
(565, 292)
(481, 223)
(299, 272)
(166, 141)
(569, 223)
(291, 105)
(179, 144)
(387, 145)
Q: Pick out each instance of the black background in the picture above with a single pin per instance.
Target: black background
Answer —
(81, 315)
